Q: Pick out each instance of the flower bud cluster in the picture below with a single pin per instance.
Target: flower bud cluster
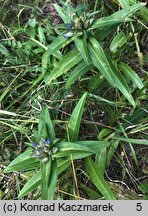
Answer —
(78, 25)
(43, 150)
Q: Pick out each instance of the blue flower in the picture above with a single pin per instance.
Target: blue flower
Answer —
(47, 141)
(34, 144)
(69, 26)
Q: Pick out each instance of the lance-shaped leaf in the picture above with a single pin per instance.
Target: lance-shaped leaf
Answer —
(45, 126)
(79, 71)
(35, 181)
(124, 13)
(124, 3)
(65, 149)
(41, 35)
(108, 21)
(129, 73)
(75, 119)
(67, 62)
(45, 178)
(98, 180)
(108, 69)
(117, 17)
(53, 48)
(3, 50)
(81, 45)
(118, 41)
(111, 152)
(94, 145)
(100, 159)
(62, 13)
(31, 185)
(64, 163)
(23, 162)
(48, 179)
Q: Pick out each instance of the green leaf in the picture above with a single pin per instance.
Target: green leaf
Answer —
(45, 178)
(100, 61)
(119, 40)
(102, 33)
(124, 13)
(112, 103)
(143, 187)
(79, 71)
(66, 63)
(92, 194)
(94, 145)
(95, 82)
(23, 162)
(98, 180)
(100, 159)
(58, 43)
(134, 141)
(107, 68)
(75, 119)
(65, 149)
(62, 13)
(81, 45)
(131, 75)
(45, 127)
(35, 181)
(111, 152)
(31, 185)
(41, 35)
(52, 180)
(63, 164)
(117, 17)
(3, 50)
(124, 3)
(108, 21)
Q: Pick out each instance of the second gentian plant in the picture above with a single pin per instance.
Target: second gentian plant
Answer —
(50, 155)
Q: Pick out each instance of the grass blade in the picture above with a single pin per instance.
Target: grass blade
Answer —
(134, 141)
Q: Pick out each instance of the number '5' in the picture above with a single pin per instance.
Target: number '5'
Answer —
(139, 207)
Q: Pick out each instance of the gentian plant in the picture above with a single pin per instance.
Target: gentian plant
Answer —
(87, 34)
(51, 155)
